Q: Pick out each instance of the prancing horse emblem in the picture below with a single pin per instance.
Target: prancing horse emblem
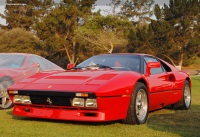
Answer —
(49, 101)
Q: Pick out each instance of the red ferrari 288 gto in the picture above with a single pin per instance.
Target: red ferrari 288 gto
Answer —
(105, 87)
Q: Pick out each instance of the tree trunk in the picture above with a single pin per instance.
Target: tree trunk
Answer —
(180, 63)
(68, 55)
(111, 47)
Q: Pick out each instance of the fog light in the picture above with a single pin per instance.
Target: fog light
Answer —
(22, 99)
(78, 102)
(17, 99)
(91, 103)
(26, 100)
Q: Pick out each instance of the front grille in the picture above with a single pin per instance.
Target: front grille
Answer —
(50, 100)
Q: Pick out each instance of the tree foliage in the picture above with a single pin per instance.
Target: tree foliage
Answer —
(174, 35)
(71, 31)
(140, 40)
(20, 40)
(182, 18)
(105, 34)
(24, 13)
(59, 28)
(137, 10)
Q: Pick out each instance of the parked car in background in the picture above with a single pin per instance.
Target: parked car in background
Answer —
(105, 87)
(18, 66)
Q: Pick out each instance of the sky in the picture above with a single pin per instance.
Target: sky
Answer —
(99, 4)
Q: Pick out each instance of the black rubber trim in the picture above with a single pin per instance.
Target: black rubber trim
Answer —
(53, 93)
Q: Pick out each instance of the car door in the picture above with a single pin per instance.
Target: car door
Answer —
(160, 85)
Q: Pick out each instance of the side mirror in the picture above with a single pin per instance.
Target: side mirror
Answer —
(70, 66)
(151, 65)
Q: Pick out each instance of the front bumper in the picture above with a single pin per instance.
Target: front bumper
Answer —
(109, 109)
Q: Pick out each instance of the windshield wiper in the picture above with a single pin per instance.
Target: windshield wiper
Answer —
(93, 66)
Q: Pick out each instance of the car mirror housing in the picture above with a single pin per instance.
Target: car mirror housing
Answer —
(151, 65)
(70, 66)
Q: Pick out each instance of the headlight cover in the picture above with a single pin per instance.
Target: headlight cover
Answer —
(91, 103)
(78, 102)
(17, 99)
(84, 102)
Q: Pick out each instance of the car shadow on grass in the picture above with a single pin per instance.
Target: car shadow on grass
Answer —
(185, 123)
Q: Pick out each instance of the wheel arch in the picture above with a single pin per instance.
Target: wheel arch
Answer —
(144, 82)
(7, 78)
(189, 80)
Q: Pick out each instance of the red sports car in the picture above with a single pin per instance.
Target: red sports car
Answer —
(17, 66)
(105, 87)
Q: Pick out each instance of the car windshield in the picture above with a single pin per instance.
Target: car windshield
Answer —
(44, 64)
(11, 61)
(119, 62)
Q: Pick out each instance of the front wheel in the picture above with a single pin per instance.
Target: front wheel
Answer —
(138, 107)
(5, 101)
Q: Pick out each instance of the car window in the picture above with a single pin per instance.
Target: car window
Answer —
(165, 67)
(11, 60)
(119, 62)
(153, 70)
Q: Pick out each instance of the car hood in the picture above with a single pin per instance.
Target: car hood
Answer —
(70, 81)
(8, 71)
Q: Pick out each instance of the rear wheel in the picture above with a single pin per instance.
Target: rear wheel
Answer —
(5, 101)
(185, 102)
(138, 107)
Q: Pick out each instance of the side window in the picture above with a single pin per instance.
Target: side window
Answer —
(153, 70)
(165, 67)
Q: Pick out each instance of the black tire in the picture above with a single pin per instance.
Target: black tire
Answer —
(185, 102)
(139, 103)
(4, 84)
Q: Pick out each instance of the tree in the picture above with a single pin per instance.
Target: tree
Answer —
(24, 13)
(59, 28)
(105, 34)
(140, 40)
(182, 17)
(137, 10)
(157, 12)
(20, 40)
(2, 31)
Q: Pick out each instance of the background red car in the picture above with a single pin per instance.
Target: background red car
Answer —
(106, 87)
(17, 66)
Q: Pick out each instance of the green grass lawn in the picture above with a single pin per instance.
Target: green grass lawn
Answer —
(161, 123)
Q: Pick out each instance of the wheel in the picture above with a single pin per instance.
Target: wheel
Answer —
(185, 102)
(138, 107)
(5, 101)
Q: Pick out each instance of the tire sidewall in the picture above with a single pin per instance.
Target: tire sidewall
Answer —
(133, 101)
(183, 98)
(6, 82)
